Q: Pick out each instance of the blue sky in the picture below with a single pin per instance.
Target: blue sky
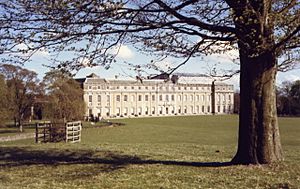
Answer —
(128, 54)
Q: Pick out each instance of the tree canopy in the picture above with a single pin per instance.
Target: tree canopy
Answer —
(64, 97)
(4, 102)
(177, 28)
(22, 88)
(289, 98)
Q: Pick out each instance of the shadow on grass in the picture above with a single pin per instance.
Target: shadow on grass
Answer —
(103, 124)
(17, 156)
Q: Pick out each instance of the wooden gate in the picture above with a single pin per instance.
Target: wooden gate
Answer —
(57, 132)
(73, 131)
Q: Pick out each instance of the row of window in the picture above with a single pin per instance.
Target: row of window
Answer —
(165, 97)
(153, 88)
(164, 110)
(148, 87)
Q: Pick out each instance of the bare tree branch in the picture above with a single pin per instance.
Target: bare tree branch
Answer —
(194, 21)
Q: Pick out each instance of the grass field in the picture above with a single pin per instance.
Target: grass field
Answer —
(169, 152)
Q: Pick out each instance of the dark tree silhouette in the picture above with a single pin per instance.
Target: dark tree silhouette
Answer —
(23, 86)
(288, 98)
(64, 97)
(4, 102)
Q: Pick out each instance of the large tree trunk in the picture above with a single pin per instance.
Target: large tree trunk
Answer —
(259, 140)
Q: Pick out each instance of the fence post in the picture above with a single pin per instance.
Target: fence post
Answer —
(66, 131)
(36, 133)
(44, 132)
(73, 131)
(50, 132)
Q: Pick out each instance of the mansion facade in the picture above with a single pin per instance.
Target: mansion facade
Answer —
(183, 94)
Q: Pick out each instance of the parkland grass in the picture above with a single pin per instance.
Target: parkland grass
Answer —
(163, 152)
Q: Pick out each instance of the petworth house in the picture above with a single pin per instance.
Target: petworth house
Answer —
(179, 94)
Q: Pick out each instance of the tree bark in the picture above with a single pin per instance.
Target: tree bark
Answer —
(20, 121)
(259, 139)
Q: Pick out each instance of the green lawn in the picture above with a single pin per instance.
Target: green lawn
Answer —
(10, 129)
(169, 152)
(13, 131)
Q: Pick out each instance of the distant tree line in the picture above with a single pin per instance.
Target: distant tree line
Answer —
(58, 97)
(288, 99)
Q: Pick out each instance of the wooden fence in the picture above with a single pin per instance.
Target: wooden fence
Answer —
(57, 132)
(73, 131)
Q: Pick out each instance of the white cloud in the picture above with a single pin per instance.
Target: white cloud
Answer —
(124, 52)
(164, 65)
(84, 61)
(292, 77)
(21, 47)
(288, 76)
(235, 81)
(42, 53)
(32, 69)
(226, 57)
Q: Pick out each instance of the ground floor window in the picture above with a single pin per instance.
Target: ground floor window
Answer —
(118, 111)
(125, 111)
(160, 110)
(146, 111)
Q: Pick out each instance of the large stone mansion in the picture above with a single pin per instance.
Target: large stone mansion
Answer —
(183, 94)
